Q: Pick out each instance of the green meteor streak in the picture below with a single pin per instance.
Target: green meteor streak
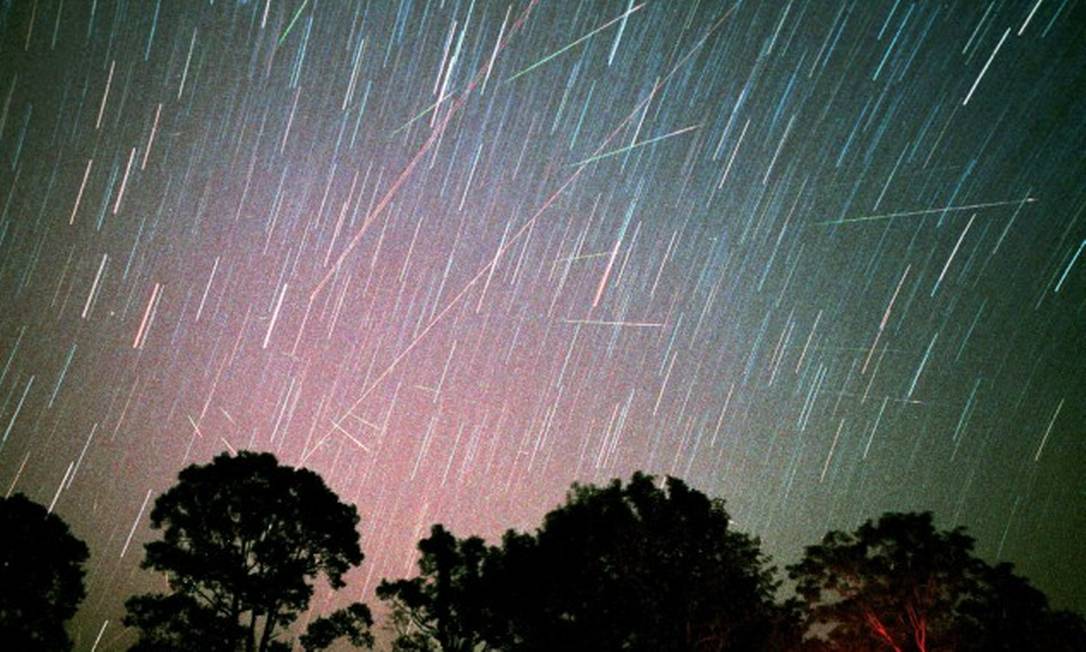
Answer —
(292, 21)
(529, 68)
(577, 42)
(421, 114)
(636, 145)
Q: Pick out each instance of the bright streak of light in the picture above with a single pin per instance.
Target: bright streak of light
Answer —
(1048, 431)
(985, 68)
(135, 523)
(99, 637)
(293, 20)
(601, 322)
(926, 211)
(635, 145)
(584, 38)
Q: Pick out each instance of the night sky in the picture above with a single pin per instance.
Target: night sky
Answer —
(821, 259)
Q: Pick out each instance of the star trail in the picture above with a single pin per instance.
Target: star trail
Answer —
(821, 259)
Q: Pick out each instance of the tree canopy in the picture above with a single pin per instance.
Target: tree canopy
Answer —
(642, 566)
(900, 584)
(639, 567)
(243, 538)
(41, 576)
(448, 606)
(620, 567)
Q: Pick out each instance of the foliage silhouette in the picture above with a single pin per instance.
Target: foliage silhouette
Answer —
(243, 537)
(621, 567)
(446, 607)
(41, 576)
(643, 566)
(900, 584)
(352, 622)
(179, 622)
(1011, 614)
(638, 567)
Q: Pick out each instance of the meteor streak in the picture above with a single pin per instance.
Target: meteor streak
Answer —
(635, 145)
(559, 51)
(928, 211)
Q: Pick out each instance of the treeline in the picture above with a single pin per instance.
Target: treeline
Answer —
(645, 565)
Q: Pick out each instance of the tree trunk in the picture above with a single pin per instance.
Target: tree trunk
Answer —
(235, 613)
(250, 640)
(269, 627)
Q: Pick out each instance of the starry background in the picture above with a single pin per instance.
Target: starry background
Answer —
(821, 259)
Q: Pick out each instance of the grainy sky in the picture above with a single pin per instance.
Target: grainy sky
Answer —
(822, 259)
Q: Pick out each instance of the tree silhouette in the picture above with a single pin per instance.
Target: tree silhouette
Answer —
(446, 607)
(352, 622)
(41, 576)
(242, 539)
(639, 567)
(900, 584)
(634, 567)
(179, 622)
(1010, 614)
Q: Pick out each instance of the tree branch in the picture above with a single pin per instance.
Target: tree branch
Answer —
(880, 629)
